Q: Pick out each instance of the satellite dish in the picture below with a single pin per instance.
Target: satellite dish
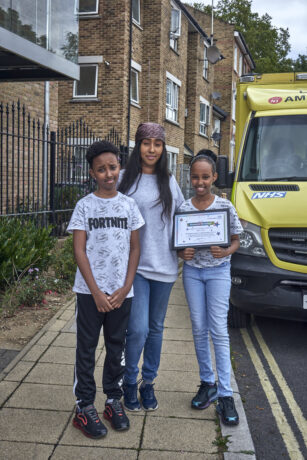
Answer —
(213, 54)
(216, 136)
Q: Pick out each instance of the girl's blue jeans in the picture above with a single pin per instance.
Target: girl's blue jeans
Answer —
(207, 291)
(145, 327)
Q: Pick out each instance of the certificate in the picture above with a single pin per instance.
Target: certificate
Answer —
(201, 229)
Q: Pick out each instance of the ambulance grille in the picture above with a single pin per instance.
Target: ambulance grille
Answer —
(274, 188)
(289, 244)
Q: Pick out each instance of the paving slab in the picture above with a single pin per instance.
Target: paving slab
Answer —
(177, 381)
(59, 355)
(171, 333)
(124, 439)
(67, 315)
(58, 325)
(178, 347)
(178, 405)
(177, 297)
(65, 339)
(6, 389)
(19, 372)
(32, 425)
(176, 434)
(183, 363)
(47, 338)
(93, 453)
(25, 451)
(35, 353)
(39, 396)
(175, 455)
(56, 374)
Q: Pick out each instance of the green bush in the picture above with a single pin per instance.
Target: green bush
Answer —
(22, 245)
(64, 264)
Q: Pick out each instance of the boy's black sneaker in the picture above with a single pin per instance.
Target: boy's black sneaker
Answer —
(148, 399)
(227, 410)
(207, 393)
(88, 421)
(114, 412)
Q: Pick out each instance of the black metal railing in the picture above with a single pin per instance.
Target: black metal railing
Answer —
(43, 172)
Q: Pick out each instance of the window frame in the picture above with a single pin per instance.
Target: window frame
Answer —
(87, 96)
(204, 123)
(136, 69)
(82, 13)
(173, 106)
(137, 21)
(174, 35)
(216, 119)
(206, 63)
(235, 58)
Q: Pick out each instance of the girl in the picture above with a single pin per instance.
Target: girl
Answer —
(206, 280)
(157, 194)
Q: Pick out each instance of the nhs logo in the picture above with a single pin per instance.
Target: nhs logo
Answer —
(260, 195)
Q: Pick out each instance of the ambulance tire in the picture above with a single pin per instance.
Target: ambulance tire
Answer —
(237, 318)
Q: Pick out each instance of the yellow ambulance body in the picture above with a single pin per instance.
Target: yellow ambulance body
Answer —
(269, 272)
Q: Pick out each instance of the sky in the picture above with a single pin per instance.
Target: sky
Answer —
(284, 13)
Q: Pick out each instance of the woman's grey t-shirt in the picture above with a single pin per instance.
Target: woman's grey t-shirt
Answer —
(158, 261)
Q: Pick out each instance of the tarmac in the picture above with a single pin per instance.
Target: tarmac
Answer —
(37, 403)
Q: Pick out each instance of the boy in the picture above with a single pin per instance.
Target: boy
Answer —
(106, 246)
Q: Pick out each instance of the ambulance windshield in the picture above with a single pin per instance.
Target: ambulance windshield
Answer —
(275, 149)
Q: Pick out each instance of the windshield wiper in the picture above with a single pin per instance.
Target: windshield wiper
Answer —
(286, 179)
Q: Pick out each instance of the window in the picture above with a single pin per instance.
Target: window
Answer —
(134, 86)
(206, 64)
(175, 27)
(172, 97)
(204, 116)
(79, 170)
(136, 15)
(234, 97)
(216, 129)
(88, 7)
(87, 85)
(172, 153)
(235, 58)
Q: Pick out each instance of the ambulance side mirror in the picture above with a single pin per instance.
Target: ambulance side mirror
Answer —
(225, 178)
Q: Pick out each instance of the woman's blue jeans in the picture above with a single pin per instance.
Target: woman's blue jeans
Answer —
(207, 291)
(145, 327)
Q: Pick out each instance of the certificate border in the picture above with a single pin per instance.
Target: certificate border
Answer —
(180, 213)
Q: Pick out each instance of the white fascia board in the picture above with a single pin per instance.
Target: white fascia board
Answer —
(90, 59)
(38, 55)
(173, 78)
(136, 66)
(203, 100)
(172, 149)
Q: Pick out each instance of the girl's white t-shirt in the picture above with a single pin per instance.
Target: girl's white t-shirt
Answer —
(203, 257)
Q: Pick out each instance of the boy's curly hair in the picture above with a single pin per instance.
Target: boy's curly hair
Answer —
(99, 147)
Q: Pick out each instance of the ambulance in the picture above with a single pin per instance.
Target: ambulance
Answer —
(269, 192)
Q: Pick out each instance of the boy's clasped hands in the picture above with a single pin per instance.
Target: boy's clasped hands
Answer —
(106, 303)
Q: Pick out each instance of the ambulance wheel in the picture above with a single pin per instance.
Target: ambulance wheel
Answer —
(237, 318)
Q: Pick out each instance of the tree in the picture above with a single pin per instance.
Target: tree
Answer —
(268, 45)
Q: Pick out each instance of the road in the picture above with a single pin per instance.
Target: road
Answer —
(270, 360)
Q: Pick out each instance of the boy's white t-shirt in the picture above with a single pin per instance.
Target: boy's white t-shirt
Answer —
(108, 223)
(203, 257)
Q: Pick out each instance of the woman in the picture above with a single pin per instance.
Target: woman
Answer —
(157, 194)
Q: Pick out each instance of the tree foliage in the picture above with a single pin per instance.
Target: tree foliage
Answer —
(268, 45)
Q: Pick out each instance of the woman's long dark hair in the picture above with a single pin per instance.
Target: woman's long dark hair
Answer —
(133, 172)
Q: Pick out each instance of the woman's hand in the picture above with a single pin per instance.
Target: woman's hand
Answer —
(186, 254)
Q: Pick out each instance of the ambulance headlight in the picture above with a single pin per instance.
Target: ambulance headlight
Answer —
(250, 240)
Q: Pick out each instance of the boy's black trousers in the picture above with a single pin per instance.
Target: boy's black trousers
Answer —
(89, 322)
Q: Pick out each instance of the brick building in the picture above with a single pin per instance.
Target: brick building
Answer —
(237, 61)
(169, 81)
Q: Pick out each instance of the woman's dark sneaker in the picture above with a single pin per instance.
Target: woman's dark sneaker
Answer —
(148, 399)
(88, 421)
(114, 412)
(207, 393)
(227, 410)
(131, 401)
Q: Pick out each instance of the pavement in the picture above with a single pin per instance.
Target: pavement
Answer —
(37, 403)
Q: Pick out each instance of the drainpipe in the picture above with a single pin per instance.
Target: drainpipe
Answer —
(46, 113)
(129, 79)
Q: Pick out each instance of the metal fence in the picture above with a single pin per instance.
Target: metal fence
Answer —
(43, 173)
